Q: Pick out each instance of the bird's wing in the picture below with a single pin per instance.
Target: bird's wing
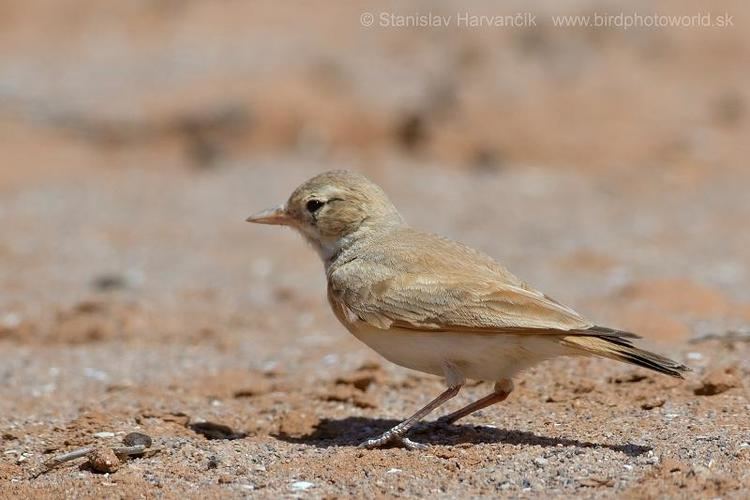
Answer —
(448, 302)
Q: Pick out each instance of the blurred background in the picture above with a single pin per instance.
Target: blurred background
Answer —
(607, 166)
(135, 138)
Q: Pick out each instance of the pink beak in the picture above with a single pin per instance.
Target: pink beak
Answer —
(276, 216)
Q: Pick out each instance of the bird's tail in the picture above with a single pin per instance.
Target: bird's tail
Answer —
(615, 344)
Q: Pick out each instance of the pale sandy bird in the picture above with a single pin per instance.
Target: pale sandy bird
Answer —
(434, 305)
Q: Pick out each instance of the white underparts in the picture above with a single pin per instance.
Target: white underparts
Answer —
(460, 355)
(454, 377)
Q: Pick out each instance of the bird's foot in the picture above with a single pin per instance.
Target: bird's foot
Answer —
(391, 438)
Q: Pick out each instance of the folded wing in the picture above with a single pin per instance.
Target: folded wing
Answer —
(451, 302)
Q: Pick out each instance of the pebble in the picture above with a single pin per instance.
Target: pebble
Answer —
(540, 461)
(330, 359)
(393, 471)
(718, 381)
(213, 430)
(301, 485)
(95, 374)
(104, 460)
(10, 321)
(105, 434)
(137, 438)
(109, 281)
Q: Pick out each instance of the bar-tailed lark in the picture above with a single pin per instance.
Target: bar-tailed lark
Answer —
(434, 305)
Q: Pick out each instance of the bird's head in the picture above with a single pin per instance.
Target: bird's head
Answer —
(332, 209)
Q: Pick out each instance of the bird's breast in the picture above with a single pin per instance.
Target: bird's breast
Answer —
(477, 356)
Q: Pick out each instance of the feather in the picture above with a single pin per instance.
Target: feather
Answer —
(613, 348)
(434, 284)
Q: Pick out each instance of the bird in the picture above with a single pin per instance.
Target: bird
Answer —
(434, 305)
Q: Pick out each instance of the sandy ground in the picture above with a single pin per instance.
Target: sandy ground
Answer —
(152, 306)
(608, 169)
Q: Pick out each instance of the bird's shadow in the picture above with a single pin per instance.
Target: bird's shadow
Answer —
(351, 431)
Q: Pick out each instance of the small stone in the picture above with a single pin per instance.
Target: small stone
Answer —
(653, 403)
(540, 461)
(225, 479)
(330, 359)
(369, 365)
(109, 281)
(629, 379)
(137, 438)
(10, 321)
(105, 434)
(301, 485)
(256, 388)
(670, 465)
(393, 471)
(359, 380)
(95, 374)
(411, 131)
(718, 381)
(213, 430)
(595, 482)
(104, 460)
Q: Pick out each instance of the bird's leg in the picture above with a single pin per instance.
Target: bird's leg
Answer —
(396, 434)
(502, 389)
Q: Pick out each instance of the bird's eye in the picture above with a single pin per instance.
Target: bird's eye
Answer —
(313, 206)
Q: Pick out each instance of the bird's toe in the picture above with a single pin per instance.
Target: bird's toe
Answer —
(389, 439)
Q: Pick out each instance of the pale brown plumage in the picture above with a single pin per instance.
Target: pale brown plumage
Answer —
(433, 304)
(438, 284)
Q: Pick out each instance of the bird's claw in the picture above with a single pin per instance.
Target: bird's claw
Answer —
(389, 438)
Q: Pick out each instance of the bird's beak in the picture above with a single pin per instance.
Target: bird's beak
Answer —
(276, 216)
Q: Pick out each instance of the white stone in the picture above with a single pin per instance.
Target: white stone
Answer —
(301, 485)
(10, 320)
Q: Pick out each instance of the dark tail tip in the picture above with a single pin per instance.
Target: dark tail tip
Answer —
(654, 362)
(623, 349)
